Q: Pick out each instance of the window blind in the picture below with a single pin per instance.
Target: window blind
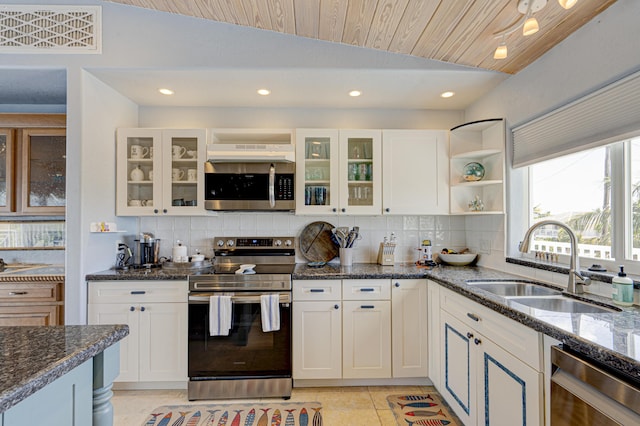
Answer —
(593, 120)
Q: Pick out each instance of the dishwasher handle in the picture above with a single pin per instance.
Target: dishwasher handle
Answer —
(604, 382)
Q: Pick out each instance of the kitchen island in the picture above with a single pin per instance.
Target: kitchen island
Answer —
(58, 373)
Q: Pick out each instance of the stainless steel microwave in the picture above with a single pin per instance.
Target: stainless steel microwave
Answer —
(260, 186)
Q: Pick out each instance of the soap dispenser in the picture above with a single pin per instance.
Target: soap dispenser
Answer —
(622, 289)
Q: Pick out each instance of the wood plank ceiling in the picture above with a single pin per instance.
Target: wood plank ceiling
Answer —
(455, 31)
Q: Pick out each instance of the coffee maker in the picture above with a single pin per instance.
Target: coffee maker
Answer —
(146, 251)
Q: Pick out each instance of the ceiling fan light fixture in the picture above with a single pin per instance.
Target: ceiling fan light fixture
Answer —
(530, 26)
(501, 51)
(567, 4)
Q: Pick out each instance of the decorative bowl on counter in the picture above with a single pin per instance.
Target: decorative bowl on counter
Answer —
(473, 172)
(458, 259)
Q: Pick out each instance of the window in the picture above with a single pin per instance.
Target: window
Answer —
(597, 193)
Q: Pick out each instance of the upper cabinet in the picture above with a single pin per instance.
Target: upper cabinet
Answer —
(477, 167)
(160, 172)
(415, 168)
(338, 171)
(32, 164)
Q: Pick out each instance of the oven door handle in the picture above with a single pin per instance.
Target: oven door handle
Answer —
(241, 299)
(272, 186)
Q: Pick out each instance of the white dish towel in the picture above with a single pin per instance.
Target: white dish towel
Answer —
(270, 312)
(219, 315)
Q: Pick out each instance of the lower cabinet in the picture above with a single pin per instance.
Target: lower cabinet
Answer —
(342, 329)
(483, 381)
(156, 312)
(32, 303)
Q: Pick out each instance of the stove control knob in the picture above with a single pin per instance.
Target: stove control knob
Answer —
(220, 243)
(230, 243)
(288, 243)
(277, 243)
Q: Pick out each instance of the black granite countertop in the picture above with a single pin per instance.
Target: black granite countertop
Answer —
(610, 338)
(33, 357)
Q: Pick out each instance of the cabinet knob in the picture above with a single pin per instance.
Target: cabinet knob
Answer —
(397, 284)
(477, 341)
(155, 211)
(164, 211)
(142, 309)
(132, 308)
(469, 335)
(343, 210)
(334, 210)
(387, 210)
(336, 306)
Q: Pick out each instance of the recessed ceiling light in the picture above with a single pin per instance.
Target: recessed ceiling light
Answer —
(447, 94)
(166, 91)
(355, 93)
(264, 92)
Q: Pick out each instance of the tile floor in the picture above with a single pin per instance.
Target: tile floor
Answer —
(342, 406)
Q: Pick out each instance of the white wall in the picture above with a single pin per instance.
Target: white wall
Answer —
(599, 53)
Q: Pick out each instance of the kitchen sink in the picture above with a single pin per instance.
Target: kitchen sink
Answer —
(561, 304)
(509, 288)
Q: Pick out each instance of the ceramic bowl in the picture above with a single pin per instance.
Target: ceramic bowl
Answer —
(457, 259)
(473, 172)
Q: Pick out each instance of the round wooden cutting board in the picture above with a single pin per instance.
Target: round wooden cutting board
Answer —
(316, 244)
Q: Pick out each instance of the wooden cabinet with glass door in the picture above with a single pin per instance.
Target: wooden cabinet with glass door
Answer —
(32, 164)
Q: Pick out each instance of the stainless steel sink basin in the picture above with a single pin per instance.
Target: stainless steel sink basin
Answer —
(514, 288)
(561, 304)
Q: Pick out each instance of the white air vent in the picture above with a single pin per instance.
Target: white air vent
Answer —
(50, 29)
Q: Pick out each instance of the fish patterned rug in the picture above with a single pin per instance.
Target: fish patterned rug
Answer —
(426, 409)
(254, 414)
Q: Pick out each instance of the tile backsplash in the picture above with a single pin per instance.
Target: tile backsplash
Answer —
(197, 232)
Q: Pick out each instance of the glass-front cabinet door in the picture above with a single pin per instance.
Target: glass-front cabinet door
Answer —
(138, 189)
(360, 171)
(317, 169)
(160, 171)
(44, 156)
(183, 176)
(6, 170)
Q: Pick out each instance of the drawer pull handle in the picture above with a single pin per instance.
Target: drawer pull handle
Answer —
(18, 293)
(473, 316)
(367, 306)
(469, 335)
(477, 341)
(367, 290)
(138, 292)
(316, 290)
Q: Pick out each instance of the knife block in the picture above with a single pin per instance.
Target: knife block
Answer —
(385, 254)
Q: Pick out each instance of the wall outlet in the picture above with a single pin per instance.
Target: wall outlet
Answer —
(485, 246)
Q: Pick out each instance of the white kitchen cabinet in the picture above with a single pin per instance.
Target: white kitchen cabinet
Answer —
(156, 312)
(339, 171)
(160, 172)
(415, 171)
(409, 328)
(483, 381)
(478, 142)
(317, 329)
(433, 333)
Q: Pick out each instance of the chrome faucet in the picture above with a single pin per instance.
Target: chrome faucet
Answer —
(574, 286)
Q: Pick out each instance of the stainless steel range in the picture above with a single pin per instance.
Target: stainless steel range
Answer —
(248, 362)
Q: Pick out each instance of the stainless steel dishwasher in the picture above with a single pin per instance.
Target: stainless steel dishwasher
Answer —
(585, 394)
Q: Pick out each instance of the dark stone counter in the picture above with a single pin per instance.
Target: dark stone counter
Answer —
(33, 357)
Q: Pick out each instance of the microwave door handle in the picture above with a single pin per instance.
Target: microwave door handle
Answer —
(272, 184)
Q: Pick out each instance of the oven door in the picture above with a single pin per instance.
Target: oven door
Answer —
(247, 352)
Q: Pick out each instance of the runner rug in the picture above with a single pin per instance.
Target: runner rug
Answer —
(424, 409)
(254, 414)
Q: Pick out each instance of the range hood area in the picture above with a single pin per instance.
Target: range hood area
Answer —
(250, 145)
